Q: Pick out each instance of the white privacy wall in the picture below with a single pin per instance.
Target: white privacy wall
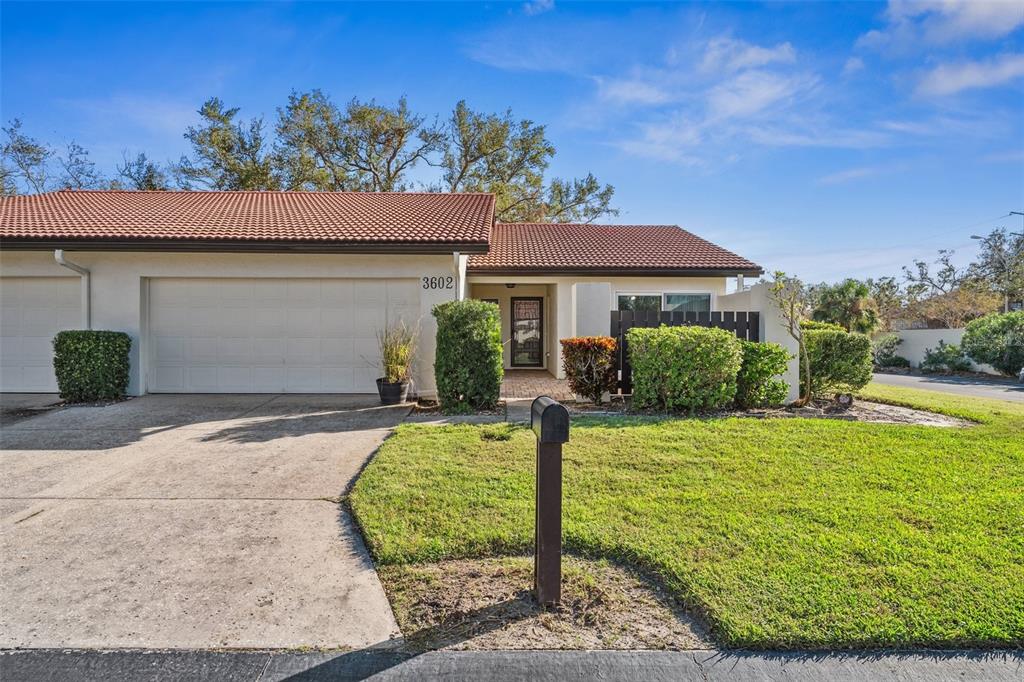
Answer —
(120, 291)
(917, 341)
(773, 329)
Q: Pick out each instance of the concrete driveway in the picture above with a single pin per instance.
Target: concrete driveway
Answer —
(190, 522)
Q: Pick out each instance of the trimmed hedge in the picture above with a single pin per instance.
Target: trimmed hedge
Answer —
(468, 365)
(683, 368)
(589, 364)
(91, 365)
(819, 325)
(756, 383)
(997, 340)
(840, 361)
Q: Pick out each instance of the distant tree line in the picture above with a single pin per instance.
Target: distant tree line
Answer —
(936, 294)
(318, 145)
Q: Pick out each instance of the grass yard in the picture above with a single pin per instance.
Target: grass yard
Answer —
(783, 533)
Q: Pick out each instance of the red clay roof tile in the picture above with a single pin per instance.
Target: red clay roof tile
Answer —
(562, 247)
(329, 217)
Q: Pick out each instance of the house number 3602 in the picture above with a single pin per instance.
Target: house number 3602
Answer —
(438, 282)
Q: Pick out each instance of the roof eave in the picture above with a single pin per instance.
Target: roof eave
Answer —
(240, 246)
(754, 271)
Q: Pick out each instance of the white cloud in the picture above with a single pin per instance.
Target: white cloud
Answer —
(154, 113)
(848, 175)
(754, 91)
(730, 55)
(853, 65)
(632, 91)
(949, 79)
(935, 22)
(535, 7)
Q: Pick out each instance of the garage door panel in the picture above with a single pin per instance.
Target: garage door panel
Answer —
(32, 311)
(299, 335)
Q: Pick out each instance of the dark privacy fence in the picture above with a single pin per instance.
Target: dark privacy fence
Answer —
(744, 325)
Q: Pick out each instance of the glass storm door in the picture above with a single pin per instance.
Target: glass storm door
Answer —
(527, 332)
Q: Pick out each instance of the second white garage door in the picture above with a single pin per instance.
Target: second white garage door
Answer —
(272, 335)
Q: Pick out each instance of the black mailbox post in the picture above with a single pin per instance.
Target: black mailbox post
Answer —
(550, 423)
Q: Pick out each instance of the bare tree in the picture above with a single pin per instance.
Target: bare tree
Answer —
(79, 171)
(790, 296)
(24, 158)
(142, 174)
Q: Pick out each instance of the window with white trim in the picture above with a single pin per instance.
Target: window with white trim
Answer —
(668, 301)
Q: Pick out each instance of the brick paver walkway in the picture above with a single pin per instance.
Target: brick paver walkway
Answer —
(530, 383)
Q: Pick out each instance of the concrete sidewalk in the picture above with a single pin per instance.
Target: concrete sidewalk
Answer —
(527, 666)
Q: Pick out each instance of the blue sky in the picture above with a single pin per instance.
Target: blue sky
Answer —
(828, 140)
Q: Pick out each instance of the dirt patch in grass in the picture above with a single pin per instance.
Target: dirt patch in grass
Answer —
(488, 604)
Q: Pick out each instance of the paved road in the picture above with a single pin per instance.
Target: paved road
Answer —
(526, 666)
(977, 388)
(190, 522)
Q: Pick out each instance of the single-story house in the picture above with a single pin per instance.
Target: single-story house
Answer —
(285, 291)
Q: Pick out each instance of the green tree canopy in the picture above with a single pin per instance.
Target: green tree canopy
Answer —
(227, 155)
(848, 304)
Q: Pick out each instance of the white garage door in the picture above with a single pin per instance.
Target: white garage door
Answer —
(32, 310)
(272, 335)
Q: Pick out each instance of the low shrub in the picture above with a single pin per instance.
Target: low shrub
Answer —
(818, 325)
(883, 348)
(757, 384)
(840, 361)
(91, 365)
(894, 361)
(683, 368)
(948, 357)
(468, 365)
(997, 340)
(589, 364)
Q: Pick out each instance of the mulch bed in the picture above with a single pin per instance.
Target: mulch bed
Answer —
(488, 604)
(859, 411)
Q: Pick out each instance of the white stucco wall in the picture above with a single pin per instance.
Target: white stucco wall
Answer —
(917, 341)
(580, 306)
(772, 327)
(119, 286)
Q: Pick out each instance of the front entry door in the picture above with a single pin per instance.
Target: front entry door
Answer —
(527, 332)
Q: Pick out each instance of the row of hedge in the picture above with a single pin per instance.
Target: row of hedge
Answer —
(680, 368)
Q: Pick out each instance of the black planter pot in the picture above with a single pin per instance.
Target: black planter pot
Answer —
(392, 394)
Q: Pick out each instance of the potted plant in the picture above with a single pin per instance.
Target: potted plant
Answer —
(397, 344)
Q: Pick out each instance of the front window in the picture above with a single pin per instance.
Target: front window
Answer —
(688, 303)
(648, 303)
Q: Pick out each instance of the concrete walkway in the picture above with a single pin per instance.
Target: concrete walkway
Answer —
(525, 666)
(190, 522)
(996, 389)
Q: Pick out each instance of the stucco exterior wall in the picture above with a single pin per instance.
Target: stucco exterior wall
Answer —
(917, 341)
(119, 286)
(503, 295)
(580, 306)
(772, 328)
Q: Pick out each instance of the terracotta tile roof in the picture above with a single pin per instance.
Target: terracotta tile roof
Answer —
(324, 217)
(561, 247)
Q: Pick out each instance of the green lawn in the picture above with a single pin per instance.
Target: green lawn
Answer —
(783, 533)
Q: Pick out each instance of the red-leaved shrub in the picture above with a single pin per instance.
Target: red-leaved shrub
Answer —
(589, 364)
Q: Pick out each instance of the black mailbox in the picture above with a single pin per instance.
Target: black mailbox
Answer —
(549, 420)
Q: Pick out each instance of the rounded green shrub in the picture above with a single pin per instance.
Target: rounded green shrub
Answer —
(997, 340)
(91, 365)
(819, 325)
(468, 364)
(947, 357)
(840, 361)
(683, 368)
(757, 384)
(589, 364)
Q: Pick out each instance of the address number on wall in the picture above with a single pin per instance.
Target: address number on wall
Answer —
(439, 282)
